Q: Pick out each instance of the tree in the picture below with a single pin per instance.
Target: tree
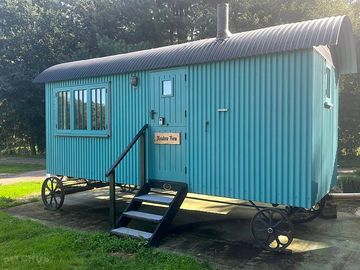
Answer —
(36, 34)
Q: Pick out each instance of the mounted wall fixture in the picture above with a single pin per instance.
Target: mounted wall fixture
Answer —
(134, 81)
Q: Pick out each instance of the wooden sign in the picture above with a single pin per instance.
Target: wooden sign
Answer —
(166, 138)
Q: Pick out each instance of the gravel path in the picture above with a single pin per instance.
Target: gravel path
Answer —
(23, 177)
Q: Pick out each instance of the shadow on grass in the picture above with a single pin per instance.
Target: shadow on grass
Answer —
(6, 202)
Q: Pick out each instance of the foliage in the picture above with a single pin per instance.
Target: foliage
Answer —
(27, 244)
(40, 33)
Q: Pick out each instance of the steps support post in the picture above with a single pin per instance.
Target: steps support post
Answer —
(112, 208)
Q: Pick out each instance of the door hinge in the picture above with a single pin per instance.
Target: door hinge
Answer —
(185, 113)
(185, 135)
(185, 77)
(185, 170)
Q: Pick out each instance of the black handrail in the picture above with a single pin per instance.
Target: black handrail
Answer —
(111, 172)
(127, 149)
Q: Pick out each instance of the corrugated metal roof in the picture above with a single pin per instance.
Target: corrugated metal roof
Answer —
(335, 32)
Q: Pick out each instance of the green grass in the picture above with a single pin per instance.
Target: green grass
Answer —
(22, 192)
(26, 244)
(347, 178)
(20, 167)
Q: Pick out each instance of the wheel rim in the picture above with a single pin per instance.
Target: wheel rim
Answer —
(52, 193)
(272, 229)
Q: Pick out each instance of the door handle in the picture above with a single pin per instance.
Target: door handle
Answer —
(152, 114)
(328, 105)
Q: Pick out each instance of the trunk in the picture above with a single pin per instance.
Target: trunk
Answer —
(33, 147)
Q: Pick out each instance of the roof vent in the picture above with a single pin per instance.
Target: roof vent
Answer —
(223, 21)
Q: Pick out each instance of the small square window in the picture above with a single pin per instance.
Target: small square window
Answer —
(167, 89)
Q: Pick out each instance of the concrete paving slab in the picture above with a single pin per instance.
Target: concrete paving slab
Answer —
(220, 233)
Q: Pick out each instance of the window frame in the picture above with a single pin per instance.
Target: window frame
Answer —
(83, 132)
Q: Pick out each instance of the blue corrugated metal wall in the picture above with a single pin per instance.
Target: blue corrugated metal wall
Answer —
(260, 149)
(325, 129)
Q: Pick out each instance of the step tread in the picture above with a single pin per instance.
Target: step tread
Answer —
(131, 232)
(143, 216)
(154, 199)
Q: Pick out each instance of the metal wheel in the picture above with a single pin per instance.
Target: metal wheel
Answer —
(52, 193)
(272, 229)
(127, 188)
(301, 215)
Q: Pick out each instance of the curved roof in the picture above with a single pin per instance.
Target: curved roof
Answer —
(334, 32)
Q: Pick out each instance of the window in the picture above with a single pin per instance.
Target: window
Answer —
(80, 109)
(83, 111)
(328, 84)
(63, 110)
(98, 108)
(167, 89)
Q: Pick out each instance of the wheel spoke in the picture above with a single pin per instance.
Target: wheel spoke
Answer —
(278, 243)
(263, 222)
(279, 222)
(271, 216)
(269, 239)
(56, 202)
(266, 241)
(261, 230)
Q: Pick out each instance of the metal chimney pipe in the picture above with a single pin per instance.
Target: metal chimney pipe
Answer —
(222, 21)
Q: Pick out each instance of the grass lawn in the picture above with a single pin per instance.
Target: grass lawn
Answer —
(26, 244)
(20, 167)
(15, 194)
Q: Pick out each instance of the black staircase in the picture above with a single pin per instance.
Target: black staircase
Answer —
(146, 195)
(148, 205)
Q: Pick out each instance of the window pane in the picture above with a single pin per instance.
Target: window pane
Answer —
(103, 105)
(167, 88)
(80, 110)
(93, 109)
(98, 109)
(64, 110)
(60, 107)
